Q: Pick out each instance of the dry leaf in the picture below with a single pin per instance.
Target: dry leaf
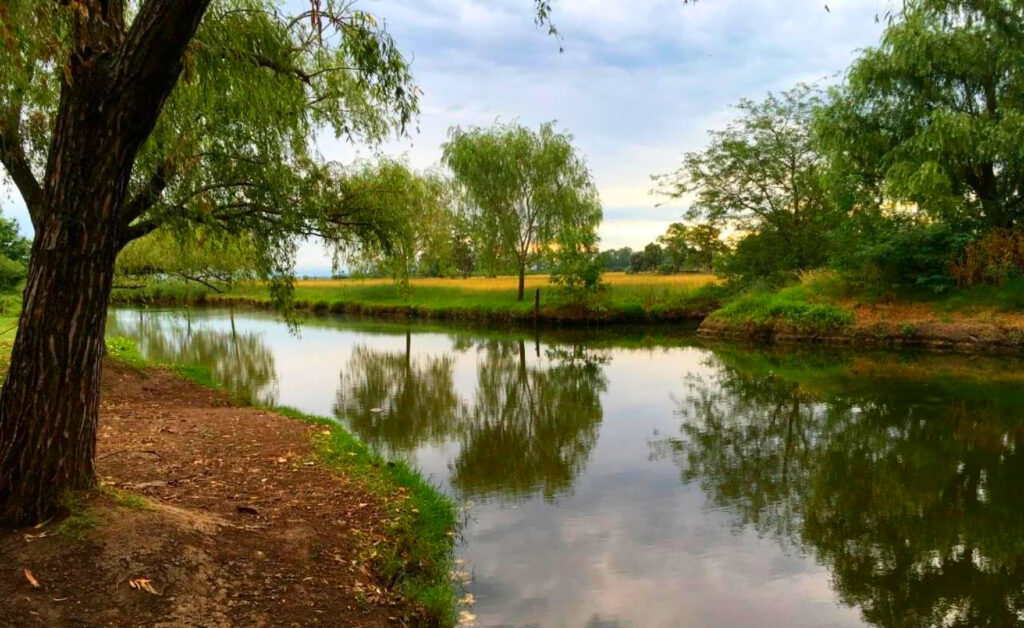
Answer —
(31, 579)
(142, 584)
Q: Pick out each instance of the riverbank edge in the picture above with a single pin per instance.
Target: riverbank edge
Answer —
(420, 561)
(958, 337)
(562, 316)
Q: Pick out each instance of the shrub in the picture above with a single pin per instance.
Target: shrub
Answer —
(891, 254)
(12, 273)
(994, 258)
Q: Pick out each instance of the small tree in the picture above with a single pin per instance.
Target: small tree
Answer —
(524, 189)
(676, 245)
(414, 210)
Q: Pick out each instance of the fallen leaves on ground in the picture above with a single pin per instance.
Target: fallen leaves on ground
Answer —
(142, 584)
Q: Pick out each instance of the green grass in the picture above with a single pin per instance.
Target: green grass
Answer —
(423, 521)
(78, 520)
(805, 305)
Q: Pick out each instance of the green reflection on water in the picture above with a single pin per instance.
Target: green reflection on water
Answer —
(238, 361)
(528, 428)
(906, 486)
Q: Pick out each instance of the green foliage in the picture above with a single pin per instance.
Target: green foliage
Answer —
(14, 252)
(12, 273)
(207, 257)
(526, 191)
(893, 253)
(232, 153)
(416, 211)
(617, 259)
(763, 175)
(933, 116)
(13, 245)
(576, 269)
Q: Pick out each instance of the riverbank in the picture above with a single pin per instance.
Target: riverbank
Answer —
(213, 514)
(823, 309)
(626, 299)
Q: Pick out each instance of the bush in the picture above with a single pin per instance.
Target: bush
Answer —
(994, 258)
(773, 258)
(12, 273)
(577, 274)
(892, 254)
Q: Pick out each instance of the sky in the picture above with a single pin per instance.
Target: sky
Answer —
(638, 83)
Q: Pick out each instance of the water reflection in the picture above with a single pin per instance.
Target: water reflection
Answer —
(239, 361)
(908, 490)
(528, 427)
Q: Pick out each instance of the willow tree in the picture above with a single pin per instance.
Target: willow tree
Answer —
(118, 118)
(525, 188)
(413, 207)
(931, 117)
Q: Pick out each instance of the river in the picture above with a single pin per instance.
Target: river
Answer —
(646, 478)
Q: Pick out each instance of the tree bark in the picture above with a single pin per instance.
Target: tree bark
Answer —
(49, 404)
(118, 82)
(522, 282)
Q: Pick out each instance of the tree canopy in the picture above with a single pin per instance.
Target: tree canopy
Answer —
(526, 191)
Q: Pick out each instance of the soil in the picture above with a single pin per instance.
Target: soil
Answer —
(241, 527)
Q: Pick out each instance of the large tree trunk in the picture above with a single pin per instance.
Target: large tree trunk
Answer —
(522, 282)
(116, 85)
(49, 403)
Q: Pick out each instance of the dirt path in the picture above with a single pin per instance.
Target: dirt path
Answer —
(241, 528)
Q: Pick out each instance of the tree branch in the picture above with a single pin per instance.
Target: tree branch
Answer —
(14, 160)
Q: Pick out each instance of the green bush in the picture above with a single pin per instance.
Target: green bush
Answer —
(884, 254)
(12, 273)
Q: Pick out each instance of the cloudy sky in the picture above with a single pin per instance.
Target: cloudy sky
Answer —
(639, 83)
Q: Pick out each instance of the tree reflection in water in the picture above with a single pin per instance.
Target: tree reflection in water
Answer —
(529, 427)
(239, 362)
(912, 500)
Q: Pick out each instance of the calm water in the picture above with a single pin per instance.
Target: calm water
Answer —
(616, 480)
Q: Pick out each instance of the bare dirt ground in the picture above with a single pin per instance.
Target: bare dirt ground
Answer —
(240, 526)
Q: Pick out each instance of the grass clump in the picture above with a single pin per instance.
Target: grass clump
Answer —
(79, 520)
(804, 305)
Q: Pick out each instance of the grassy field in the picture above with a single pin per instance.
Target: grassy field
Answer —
(625, 297)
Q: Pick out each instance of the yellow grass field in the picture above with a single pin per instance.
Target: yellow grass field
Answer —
(510, 282)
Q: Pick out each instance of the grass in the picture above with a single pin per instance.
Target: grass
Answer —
(418, 561)
(78, 521)
(807, 305)
(625, 297)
